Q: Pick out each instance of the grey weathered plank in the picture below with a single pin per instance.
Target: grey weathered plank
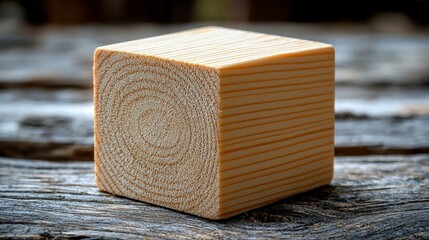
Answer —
(57, 123)
(382, 101)
(62, 56)
(370, 197)
(62, 138)
(386, 135)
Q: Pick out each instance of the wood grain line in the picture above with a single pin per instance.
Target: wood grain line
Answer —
(229, 81)
(225, 167)
(329, 91)
(232, 190)
(280, 118)
(274, 133)
(275, 168)
(290, 88)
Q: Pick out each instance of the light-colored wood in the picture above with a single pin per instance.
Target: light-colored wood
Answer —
(213, 121)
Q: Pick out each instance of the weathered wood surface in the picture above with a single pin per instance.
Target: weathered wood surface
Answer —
(63, 138)
(62, 56)
(57, 124)
(382, 107)
(370, 197)
(46, 123)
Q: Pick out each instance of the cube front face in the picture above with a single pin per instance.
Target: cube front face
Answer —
(276, 129)
(196, 122)
(156, 131)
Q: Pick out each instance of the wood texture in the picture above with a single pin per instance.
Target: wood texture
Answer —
(156, 132)
(369, 197)
(213, 121)
(46, 123)
(59, 56)
(61, 126)
(276, 124)
(55, 136)
(44, 102)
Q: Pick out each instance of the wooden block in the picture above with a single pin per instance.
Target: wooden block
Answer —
(213, 121)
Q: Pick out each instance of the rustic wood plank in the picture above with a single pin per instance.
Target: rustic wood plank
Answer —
(57, 124)
(382, 101)
(353, 137)
(62, 56)
(384, 135)
(69, 138)
(370, 197)
(46, 123)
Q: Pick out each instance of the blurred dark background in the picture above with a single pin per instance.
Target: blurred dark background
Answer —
(182, 11)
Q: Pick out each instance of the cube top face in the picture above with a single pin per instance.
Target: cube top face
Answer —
(218, 47)
(213, 121)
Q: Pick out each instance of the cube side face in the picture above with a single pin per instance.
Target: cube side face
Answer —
(276, 128)
(156, 131)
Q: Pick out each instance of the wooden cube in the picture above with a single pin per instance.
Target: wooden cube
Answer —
(213, 121)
